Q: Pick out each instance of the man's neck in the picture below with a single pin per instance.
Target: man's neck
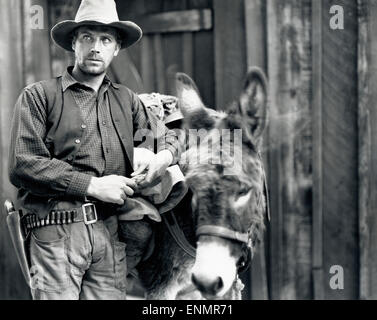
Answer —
(92, 81)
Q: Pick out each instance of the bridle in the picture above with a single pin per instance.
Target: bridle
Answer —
(245, 238)
(248, 239)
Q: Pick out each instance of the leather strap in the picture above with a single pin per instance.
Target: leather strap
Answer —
(212, 230)
(178, 235)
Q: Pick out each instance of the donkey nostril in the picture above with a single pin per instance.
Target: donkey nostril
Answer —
(207, 286)
(194, 281)
(218, 285)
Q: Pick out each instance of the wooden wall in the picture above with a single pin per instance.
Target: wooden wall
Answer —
(367, 115)
(24, 58)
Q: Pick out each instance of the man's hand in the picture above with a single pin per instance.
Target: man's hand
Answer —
(112, 189)
(142, 158)
(156, 168)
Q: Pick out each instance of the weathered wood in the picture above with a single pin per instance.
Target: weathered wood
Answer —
(340, 147)
(230, 50)
(13, 285)
(159, 64)
(317, 239)
(289, 141)
(276, 234)
(256, 35)
(364, 126)
(367, 117)
(203, 57)
(188, 53)
(36, 44)
(147, 69)
(255, 23)
(59, 11)
(176, 21)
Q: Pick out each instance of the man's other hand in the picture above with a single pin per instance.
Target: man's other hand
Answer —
(142, 158)
(112, 189)
(156, 168)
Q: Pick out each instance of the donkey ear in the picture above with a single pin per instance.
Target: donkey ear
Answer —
(253, 102)
(190, 103)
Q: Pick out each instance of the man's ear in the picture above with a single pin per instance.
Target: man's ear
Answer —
(253, 103)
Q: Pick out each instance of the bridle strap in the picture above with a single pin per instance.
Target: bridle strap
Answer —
(178, 235)
(222, 232)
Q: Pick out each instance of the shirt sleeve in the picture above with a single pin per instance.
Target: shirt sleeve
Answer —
(31, 166)
(149, 129)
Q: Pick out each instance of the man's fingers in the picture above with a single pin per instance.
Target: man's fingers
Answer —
(128, 191)
(139, 170)
(120, 202)
(129, 182)
(152, 173)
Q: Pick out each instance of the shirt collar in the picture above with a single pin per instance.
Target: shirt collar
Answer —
(68, 80)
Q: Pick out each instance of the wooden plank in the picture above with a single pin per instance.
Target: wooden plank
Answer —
(159, 64)
(176, 21)
(367, 117)
(289, 142)
(204, 66)
(13, 285)
(147, 69)
(340, 147)
(188, 59)
(365, 143)
(230, 50)
(274, 168)
(58, 11)
(36, 44)
(318, 279)
(255, 21)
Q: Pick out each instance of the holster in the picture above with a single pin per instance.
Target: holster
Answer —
(19, 238)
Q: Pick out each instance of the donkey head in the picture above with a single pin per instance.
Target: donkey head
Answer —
(225, 173)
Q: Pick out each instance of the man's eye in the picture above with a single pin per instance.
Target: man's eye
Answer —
(106, 40)
(87, 38)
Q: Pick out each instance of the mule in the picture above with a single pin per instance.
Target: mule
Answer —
(223, 214)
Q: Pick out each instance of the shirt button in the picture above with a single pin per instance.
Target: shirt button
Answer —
(83, 126)
(77, 141)
(70, 158)
(104, 123)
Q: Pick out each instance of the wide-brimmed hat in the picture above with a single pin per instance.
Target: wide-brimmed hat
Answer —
(96, 13)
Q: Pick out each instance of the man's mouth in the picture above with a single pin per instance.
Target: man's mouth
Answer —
(95, 60)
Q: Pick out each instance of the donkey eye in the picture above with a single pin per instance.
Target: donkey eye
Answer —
(243, 191)
(242, 197)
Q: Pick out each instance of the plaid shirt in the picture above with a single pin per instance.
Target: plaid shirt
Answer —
(31, 166)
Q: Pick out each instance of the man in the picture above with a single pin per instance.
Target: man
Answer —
(71, 158)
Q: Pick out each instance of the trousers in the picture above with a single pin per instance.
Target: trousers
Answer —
(78, 262)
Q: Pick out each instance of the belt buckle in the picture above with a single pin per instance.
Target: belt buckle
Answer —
(90, 213)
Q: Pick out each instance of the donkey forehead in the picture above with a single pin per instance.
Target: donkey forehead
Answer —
(216, 176)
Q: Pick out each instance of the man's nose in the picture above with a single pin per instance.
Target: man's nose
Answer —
(96, 46)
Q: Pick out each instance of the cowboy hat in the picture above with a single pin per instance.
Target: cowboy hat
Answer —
(96, 13)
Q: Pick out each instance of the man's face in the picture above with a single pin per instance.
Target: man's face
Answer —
(95, 47)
